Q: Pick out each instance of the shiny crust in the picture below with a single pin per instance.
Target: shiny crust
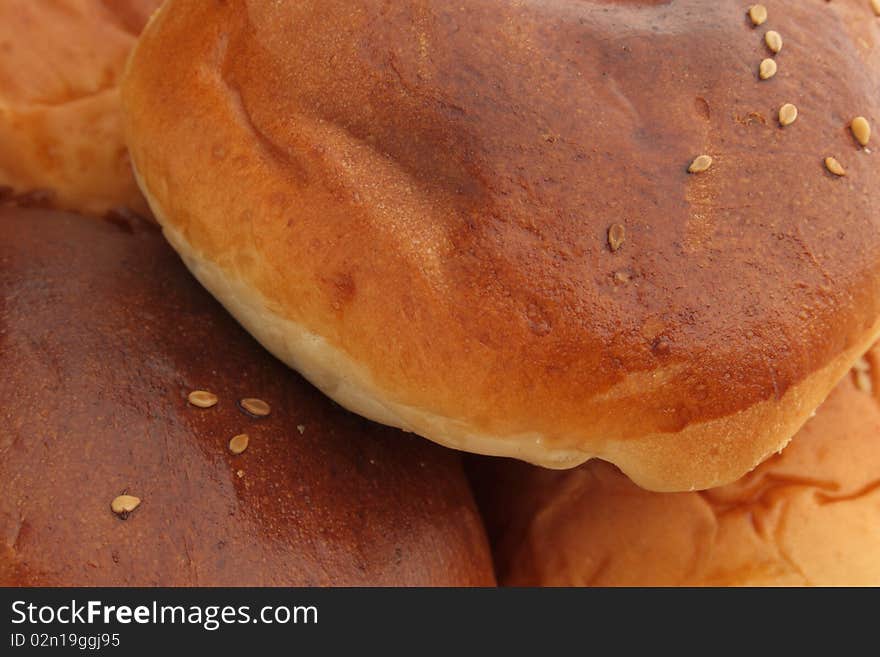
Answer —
(810, 516)
(427, 188)
(60, 126)
(103, 334)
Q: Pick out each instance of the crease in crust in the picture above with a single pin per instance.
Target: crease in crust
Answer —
(50, 104)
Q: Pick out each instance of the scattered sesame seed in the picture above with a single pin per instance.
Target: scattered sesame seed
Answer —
(834, 166)
(202, 398)
(863, 381)
(861, 130)
(788, 114)
(301, 428)
(773, 40)
(758, 14)
(239, 443)
(622, 277)
(862, 365)
(255, 407)
(124, 505)
(616, 237)
(701, 164)
(239, 473)
(767, 69)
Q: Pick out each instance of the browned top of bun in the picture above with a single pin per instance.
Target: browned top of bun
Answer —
(102, 335)
(429, 188)
(810, 516)
(60, 132)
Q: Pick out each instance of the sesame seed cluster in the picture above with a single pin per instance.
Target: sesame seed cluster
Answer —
(788, 112)
(124, 505)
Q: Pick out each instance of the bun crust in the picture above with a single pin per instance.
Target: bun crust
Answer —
(60, 127)
(104, 334)
(810, 516)
(412, 207)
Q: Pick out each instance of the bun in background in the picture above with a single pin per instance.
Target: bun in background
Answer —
(61, 140)
(810, 516)
(103, 334)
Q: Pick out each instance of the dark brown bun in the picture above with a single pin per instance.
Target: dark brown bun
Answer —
(60, 130)
(103, 334)
(810, 516)
(411, 204)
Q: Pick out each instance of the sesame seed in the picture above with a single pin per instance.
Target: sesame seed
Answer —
(301, 428)
(255, 407)
(239, 443)
(773, 40)
(863, 381)
(202, 398)
(861, 130)
(616, 236)
(788, 114)
(834, 166)
(239, 473)
(124, 504)
(701, 164)
(758, 14)
(767, 69)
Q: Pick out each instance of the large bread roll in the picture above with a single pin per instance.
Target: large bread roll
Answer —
(475, 220)
(60, 131)
(810, 516)
(103, 334)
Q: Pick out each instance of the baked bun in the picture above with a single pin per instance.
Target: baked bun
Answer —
(60, 130)
(475, 220)
(104, 334)
(810, 516)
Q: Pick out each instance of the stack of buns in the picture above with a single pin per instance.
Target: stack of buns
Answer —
(633, 245)
(121, 457)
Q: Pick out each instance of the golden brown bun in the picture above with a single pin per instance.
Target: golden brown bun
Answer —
(810, 516)
(103, 334)
(412, 205)
(60, 128)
